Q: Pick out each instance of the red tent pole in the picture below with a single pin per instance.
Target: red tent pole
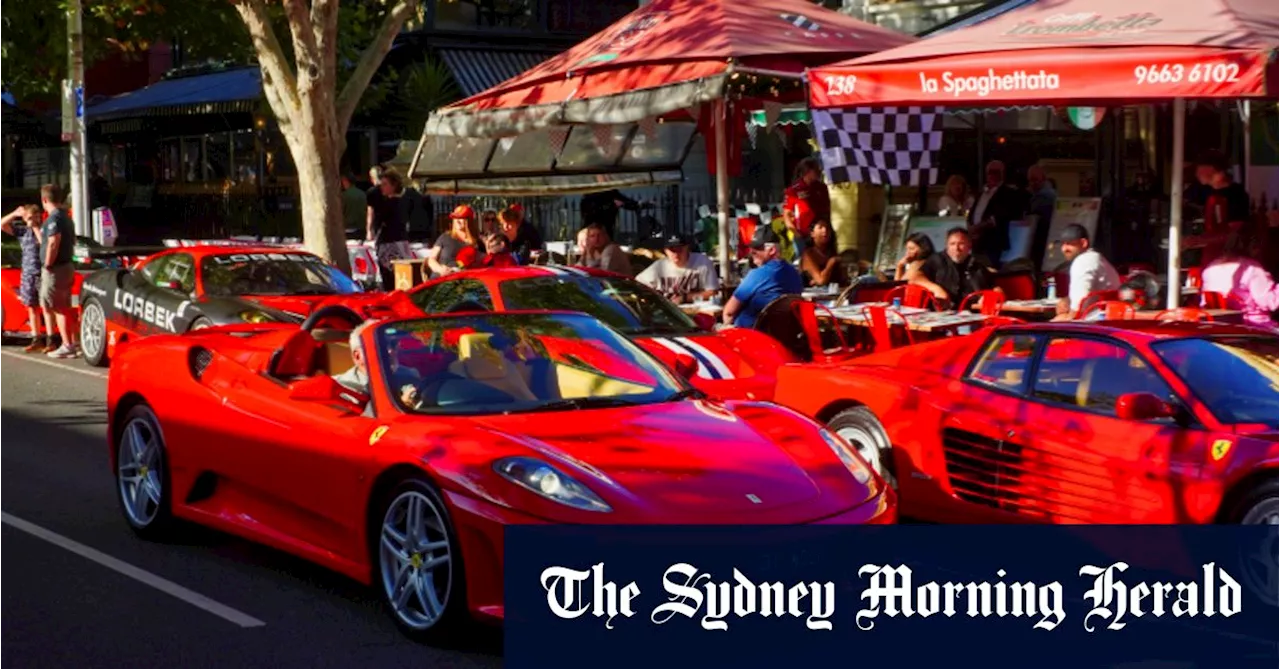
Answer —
(1174, 287)
(720, 118)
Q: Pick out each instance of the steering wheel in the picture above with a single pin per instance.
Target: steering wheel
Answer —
(337, 311)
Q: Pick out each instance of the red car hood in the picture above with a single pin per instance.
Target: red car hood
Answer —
(736, 364)
(693, 461)
(303, 305)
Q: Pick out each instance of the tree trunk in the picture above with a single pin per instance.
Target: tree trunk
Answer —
(323, 229)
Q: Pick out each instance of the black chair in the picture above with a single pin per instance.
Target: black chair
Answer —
(778, 319)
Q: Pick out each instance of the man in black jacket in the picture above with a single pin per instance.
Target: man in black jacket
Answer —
(997, 206)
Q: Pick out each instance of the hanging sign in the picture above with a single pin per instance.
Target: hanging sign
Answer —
(1086, 118)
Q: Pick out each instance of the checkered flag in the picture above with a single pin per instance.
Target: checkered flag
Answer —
(894, 146)
(801, 22)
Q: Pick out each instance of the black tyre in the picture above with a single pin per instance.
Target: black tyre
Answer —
(200, 324)
(860, 427)
(1259, 506)
(142, 476)
(93, 333)
(418, 569)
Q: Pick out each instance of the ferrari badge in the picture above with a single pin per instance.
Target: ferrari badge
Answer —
(1220, 449)
(377, 434)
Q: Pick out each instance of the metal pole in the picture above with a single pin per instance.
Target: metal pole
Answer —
(79, 142)
(1173, 289)
(1247, 117)
(721, 119)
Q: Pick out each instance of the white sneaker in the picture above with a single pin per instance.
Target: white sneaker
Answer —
(64, 351)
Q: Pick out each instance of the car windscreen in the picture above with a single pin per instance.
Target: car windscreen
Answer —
(1235, 377)
(234, 274)
(508, 363)
(629, 306)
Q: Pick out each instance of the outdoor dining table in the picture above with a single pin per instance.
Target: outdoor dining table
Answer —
(918, 320)
(702, 307)
(1040, 307)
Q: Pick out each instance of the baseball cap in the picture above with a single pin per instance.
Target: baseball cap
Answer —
(674, 241)
(1073, 232)
(764, 235)
(463, 211)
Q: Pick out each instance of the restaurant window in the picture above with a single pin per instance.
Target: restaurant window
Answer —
(192, 167)
(171, 160)
(486, 14)
(244, 157)
(217, 157)
(586, 16)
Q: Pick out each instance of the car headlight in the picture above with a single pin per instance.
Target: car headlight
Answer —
(254, 317)
(855, 464)
(547, 481)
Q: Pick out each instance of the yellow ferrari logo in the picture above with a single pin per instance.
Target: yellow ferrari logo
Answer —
(1220, 449)
(377, 434)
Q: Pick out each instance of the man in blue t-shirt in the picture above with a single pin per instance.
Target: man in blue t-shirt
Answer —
(772, 278)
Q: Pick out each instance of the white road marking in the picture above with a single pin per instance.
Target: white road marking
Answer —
(163, 585)
(41, 359)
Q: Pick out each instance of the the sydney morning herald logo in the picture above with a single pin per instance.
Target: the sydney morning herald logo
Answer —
(1113, 597)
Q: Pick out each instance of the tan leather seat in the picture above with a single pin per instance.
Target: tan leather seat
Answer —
(478, 361)
(335, 358)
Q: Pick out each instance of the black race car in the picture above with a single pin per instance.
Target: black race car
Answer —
(189, 288)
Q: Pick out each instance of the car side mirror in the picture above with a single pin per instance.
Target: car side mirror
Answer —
(686, 365)
(705, 322)
(1143, 406)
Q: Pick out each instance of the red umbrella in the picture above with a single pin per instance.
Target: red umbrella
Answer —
(1077, 52)
(665, 57)
(1074, 51)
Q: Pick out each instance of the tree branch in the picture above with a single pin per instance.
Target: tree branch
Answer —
(324, 25)
(305, 54)
(278, 80)
(370, 60)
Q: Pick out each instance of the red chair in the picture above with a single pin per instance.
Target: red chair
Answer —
(913, 296)
(991, 301)
(1017, 285)
(867, 292)
(816, 328)
(877, 318)
(1212, 300)
(1194, 277)
(1113, 310)
(1184, 314)
(1094, 298)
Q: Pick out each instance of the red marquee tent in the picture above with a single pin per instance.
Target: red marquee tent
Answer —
(666, 57)
(1070, 50)
(1078, 52)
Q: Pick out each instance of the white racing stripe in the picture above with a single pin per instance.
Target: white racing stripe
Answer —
(163, 585)
(555, 270)
(702, 369)
(575, 270)
(73, 364)
(715, 360)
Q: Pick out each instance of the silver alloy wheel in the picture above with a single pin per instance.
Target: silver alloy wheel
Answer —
(139, 471)
(416, 566)
(201, 324)
(866, 444)
(93, 330)
(1265, 512)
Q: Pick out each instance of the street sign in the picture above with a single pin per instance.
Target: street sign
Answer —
(68, 111)
(80, 101)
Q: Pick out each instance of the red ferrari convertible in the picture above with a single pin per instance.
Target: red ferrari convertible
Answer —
(733, 363)
(1119, 422)
(403, 475)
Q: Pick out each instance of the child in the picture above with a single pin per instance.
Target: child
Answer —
(28, 235)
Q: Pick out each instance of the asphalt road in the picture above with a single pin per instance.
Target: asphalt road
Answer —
(80, 590)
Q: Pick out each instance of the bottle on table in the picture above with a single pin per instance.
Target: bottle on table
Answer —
(1053, 289)
(897, 303)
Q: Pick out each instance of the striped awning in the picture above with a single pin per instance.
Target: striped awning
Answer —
(478, 70)
(236, 90)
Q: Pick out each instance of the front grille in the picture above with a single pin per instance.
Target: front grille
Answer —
(980, 468)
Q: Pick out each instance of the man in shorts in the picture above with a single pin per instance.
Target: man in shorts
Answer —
(57, 242)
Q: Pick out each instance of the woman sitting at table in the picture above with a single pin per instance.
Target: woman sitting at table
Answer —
(1236, 274)
(820, 263)
(919, 248)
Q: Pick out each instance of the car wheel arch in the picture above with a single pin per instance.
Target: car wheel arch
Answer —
(124, 405)
(383, 484)
(833, 409)
(1239, 492)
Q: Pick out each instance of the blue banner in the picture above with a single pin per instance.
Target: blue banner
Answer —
(950, 596)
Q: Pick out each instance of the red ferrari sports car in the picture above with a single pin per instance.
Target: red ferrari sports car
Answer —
(195, 287)
(400, 468)
(732, 363)
(1119, 422)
